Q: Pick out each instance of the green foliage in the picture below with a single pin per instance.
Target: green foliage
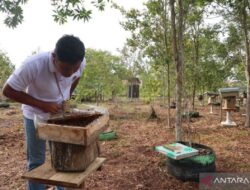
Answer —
(150, 35)
(151, 84)
(103, 76)
(237, 28)
(13, 11)
(146, 28)
(235, 57)
(6, 68)
(213, 68)
(209, 62)
(75, 9)
(213, 54)
(133, 60)
(63, 9)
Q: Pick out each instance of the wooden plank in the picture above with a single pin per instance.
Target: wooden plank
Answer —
(97, 124)
(58, 117)
(221, 101)
(47, 175)
(47, 171)
(95, 128)
(72, 134)
(61, 133)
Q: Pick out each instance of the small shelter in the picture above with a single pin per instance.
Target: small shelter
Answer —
(133, 87)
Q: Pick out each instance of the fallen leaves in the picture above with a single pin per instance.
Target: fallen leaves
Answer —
(131, 161)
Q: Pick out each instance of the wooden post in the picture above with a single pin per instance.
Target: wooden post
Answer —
(221, 109)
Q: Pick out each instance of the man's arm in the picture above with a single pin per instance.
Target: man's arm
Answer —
(73, 86)
(25, 98)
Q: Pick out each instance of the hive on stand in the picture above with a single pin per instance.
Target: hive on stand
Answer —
(229, 96)
(212, 98)
(73, 138)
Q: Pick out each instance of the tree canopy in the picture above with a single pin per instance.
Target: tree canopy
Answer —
(103, 76)
(6, 68)
(63, 9)
(171, 43)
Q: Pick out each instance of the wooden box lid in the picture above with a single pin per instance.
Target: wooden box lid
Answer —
(211, 94)
(78, 127)
(228, 92)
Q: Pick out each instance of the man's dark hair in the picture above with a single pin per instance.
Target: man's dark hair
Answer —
(70, 49)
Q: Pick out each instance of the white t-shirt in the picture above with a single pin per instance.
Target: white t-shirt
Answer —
(36, 77)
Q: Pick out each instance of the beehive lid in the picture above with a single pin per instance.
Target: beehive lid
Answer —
(79, 127)
(177, 151)
(227, 92)
(213, 94)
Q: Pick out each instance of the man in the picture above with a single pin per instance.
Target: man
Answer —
(41, 84)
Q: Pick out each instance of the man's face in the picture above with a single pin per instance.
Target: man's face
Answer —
(65, 69)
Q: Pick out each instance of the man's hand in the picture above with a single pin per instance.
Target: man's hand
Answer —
(24, 98)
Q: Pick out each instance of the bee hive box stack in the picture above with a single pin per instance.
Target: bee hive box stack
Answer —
(73, 138)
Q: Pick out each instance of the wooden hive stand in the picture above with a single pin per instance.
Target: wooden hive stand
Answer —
(74, 148)
(211, 100)
(45, 174)
(229, 96)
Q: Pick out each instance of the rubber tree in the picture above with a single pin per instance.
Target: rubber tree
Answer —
(178, 55)
(150, 33)
(239, 12)
(165, 26)
(245, 8)
(194, 22)
(236, 49)
(215, 59)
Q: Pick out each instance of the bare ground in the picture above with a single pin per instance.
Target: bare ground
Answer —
(131, 161)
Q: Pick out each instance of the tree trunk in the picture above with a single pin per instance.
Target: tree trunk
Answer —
(203, 90)
(96, 97)
(175, 55)
(169, 96)
(196, 62)
(193, 98)
(153, 114)
(163, 85)
(113, 95)
(166, 62)
(179, 70)
(178, 58)
(247, 48)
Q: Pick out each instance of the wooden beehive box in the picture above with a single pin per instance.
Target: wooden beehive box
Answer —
(80, 127)
(229, 95)
(211, 100)
(211, 97)
(73, 138)
(229, 103)
(229, 92)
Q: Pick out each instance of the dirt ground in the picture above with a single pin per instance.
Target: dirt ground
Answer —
(131, 161)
